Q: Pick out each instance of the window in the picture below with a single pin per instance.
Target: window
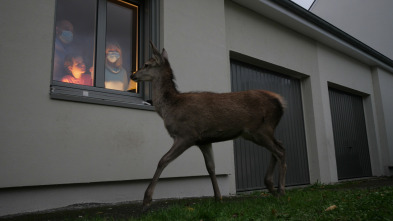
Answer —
(97, 45)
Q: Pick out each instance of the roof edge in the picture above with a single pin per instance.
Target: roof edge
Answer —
(330, 28)
(308, 24)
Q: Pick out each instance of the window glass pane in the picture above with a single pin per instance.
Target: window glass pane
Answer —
(121, 45)
(75, 39)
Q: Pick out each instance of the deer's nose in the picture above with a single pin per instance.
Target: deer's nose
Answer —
(133, 76)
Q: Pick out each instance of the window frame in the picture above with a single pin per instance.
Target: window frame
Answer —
(148, 28)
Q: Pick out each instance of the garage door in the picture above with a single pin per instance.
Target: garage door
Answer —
(350, 135)
(251, 161)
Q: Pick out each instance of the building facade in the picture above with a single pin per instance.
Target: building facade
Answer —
(67, 143)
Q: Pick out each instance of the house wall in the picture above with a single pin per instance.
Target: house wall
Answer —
(383, 89)
(46, 142)
(339, 71)
(54, 153)
(367, 22)
(256, 36)
(194, 37)
(318, 66)
(386, 90)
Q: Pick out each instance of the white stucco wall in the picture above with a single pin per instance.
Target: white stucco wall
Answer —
(319, 66)
(51, 142)
(345, 73)
(59, 142)
(383, 91)
(369, 22)
(110, 153)
(386, 90)
(194, 37)
(254, 35)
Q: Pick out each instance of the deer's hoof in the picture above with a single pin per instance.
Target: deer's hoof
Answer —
(273, 192)
(281, 192)
(218, 199)
(145, 207)
(146, 204)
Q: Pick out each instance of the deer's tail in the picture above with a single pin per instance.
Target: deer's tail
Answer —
(282, 101)
(279, 98)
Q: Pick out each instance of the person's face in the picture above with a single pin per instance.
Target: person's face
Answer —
(113, 53)
(67, 26)
(65, 32)
(78, 67)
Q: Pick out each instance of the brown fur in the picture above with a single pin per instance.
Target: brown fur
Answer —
(202, 118)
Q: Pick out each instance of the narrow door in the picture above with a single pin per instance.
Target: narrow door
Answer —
(350, 135)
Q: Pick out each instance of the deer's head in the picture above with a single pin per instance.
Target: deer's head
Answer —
(153, 67)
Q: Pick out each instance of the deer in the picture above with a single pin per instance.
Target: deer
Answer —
(202, 118)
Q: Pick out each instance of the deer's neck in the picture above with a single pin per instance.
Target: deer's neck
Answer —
(164, 92)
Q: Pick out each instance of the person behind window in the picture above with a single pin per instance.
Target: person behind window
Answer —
(116, 76)
(76, 68)
(64, 37)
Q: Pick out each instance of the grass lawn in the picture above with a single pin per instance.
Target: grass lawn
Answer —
(318, 202)
(345, 201)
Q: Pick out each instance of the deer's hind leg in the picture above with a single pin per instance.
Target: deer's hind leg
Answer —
(269, 175)
(283, 168)
(265, 138)
(207, 152)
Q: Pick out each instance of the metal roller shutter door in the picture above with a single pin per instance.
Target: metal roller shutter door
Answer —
(251, 161)
(350, 135)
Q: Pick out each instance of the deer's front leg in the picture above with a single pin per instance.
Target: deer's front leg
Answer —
(177, 149)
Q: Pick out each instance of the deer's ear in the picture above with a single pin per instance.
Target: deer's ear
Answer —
(164, 54)
(157, 58)
(155, 50)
